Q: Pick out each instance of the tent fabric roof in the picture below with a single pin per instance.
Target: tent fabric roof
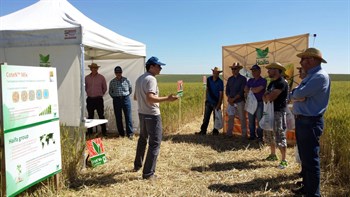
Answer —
(101, 42)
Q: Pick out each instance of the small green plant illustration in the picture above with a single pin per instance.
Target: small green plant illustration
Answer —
(19, 170)
(45, 60)
(262, 53)
(96, 147)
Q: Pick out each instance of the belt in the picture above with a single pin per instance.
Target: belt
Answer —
(95, 97)
(307, 117)
(121, 97)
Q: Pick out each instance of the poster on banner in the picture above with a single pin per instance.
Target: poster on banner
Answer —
(96, 152)
(31, 154)
(180, 88)
(29, 95)
(31, 126)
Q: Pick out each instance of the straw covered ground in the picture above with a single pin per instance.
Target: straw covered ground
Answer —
(191, 165)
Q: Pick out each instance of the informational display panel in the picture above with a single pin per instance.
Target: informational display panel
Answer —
(31, 126)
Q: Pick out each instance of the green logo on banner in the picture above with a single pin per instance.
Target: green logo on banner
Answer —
(44, 60)
(262, 53)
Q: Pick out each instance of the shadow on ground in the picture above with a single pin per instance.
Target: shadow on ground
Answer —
(220, 143)
(98, 180)
(273, 184)
(227, 166)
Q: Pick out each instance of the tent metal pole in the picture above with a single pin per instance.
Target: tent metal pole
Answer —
(82, 100)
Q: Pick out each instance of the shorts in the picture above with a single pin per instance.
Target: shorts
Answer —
(278, 135)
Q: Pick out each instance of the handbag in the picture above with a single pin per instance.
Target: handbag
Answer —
(251, 103)
(218, 123)
(267, 120)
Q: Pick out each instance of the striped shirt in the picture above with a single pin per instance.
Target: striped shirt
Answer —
(95, 85)
(120, 87)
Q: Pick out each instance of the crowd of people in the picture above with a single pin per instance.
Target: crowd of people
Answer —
(310, 100)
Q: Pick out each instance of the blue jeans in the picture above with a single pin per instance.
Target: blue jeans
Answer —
(256, 117)
(123, 104)
(308, 131)
(151, 130)
(209, 109)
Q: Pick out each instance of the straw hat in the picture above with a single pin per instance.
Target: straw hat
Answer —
(216, 69)
(236, 65)
(312, 52)
(276, 65)
(94, 65)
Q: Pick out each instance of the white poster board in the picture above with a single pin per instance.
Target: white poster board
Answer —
(31, 126)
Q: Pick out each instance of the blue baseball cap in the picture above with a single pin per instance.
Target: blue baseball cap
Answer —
(255, 67)
(154, 60)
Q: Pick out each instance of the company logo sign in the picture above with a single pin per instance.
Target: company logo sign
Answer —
(262, 56)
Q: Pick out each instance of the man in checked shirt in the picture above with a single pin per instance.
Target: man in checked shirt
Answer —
(119, 90)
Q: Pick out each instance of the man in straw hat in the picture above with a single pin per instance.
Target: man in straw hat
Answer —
(95, 87)
(146, 94)
(277, 92)
(214, 95)
(310, 103)
(235, 97)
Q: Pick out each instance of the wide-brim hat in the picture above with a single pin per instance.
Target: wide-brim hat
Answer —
(216, 69)
(236, 65)
(93, 65)
(312, 52)
(276, 65)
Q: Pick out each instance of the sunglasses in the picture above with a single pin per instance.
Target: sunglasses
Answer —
(234, 68)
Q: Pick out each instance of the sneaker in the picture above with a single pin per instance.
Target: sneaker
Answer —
(272, 157)
(131, 137)
(200, 133)
(283, 164)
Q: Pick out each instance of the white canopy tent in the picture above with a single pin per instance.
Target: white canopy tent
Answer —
(72, 41)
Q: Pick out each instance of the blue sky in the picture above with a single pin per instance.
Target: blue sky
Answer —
(188, 35)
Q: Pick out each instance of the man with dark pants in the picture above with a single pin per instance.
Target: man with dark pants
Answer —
(257, 85)
(95, 87)
(119, 90)
(213, 101)
(310, 103)
(146, 94)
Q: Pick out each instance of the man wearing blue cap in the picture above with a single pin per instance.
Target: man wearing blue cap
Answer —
(146, 94)
(257, 85)
(119, 90)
